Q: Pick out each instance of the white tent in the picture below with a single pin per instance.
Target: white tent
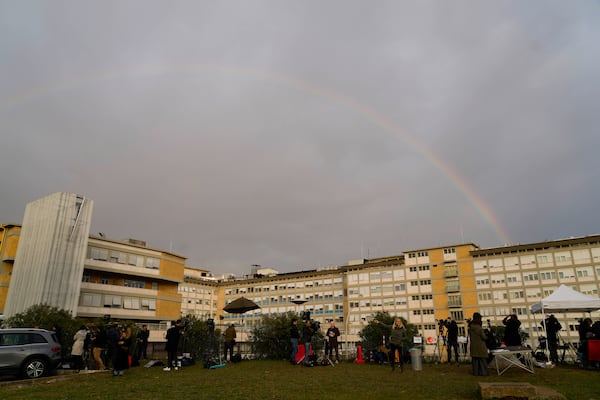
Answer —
(565, 299)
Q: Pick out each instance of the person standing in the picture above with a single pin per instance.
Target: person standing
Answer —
(512, 337)
(294, 337)
(122, 358)
(552, 327)
(585, 333)
(78, 347)
(478, 348)
(332, 335)
(98, 345)
(307, 333)
(173, 335)
(142, 343)
(112, 338)
(397, 339)
(230, 336)
(452, 338)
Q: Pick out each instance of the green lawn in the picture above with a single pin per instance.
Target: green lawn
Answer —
(266, 380)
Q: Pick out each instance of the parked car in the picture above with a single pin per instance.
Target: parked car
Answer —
(28, 352)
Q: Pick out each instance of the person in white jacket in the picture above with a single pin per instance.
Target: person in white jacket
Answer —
(78, 347)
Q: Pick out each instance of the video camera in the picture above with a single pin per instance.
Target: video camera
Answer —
(305, 315)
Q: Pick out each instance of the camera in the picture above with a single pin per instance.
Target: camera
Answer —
(315, 325)
(305, 315)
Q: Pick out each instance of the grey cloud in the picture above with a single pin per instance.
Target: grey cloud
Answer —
(298, 134)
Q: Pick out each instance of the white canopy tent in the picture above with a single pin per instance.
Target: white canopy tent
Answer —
(565, 300)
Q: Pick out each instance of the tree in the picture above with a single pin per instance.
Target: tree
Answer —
(200, 340)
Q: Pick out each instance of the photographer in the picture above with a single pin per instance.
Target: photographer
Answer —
(308, 331)
(552, 327)
(512, 337)
(452, 338)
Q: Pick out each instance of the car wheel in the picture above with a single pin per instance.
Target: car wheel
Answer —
(34, 368)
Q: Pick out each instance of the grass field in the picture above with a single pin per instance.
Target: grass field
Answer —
(267, 380)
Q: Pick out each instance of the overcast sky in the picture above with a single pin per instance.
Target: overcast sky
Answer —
(303, 134)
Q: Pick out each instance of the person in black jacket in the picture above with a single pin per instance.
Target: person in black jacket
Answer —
(452, 338)
(173, 335)
(512, 337)
(307, 334)
(142, 343)
(552, 327)
(294, 337)
(331, 336)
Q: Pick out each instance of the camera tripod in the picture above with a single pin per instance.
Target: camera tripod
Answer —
(325, 359)
(442, 339)
(440, 348)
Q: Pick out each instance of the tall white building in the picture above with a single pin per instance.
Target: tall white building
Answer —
(51, 253)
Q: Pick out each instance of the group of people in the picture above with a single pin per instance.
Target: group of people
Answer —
(110, 347)
(305, 337)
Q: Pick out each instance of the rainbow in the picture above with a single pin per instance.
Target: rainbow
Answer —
(361, 108)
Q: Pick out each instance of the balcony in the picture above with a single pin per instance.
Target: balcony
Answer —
(114, 289)
(452, 287)
(451, 271)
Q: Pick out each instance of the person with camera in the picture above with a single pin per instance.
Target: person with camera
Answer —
(552, 327)
(397, 339)
(331, 336)
(512, 337)
(307, 333)
(452, 338)
(230, 336)
(173, 335)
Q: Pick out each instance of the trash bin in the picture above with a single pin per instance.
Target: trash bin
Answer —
(415, 359)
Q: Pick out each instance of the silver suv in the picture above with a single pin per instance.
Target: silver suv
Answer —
(28, 352)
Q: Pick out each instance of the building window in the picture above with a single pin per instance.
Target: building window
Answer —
(112, 301)
(98, 254)
(152, 262)
(131, 303)
(135, 284)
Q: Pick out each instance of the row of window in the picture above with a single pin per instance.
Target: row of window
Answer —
(116, 301)
(581, 256)
(120, 257)
(536, 277)
(132, 283)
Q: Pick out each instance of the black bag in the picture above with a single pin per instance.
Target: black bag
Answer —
(236, 358)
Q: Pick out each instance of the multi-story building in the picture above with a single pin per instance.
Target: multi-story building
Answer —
(57, 262)
(128, 280)
(50, 255)
(9, 239)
